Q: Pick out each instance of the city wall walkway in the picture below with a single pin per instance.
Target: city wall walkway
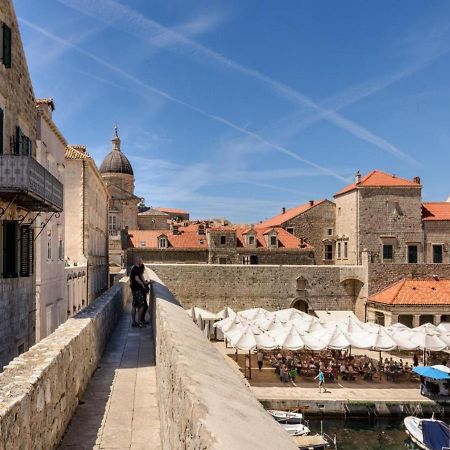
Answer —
(119, 409)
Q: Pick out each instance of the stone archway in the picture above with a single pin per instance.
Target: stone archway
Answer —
(301, 304)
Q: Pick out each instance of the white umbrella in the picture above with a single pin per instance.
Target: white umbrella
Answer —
(333, 338)
(246, 340)
(396, 327)
(429, 327)
(254, 313)
(286, 315)
(290, 339)
(226, 312)
(444, 327)
(441, 368)
(446, 338)
(308, 326)
(349, 325)
(383, 341)
(229, 322)
(372, 327)
(427, 340)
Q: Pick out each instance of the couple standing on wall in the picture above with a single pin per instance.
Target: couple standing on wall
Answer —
(139, 288)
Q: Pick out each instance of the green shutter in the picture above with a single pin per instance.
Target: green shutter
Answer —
(26, 251)
(9, 249)
(19, 137)
(7, 53)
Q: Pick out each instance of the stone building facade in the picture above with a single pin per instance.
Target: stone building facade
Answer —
(118, 176)
(436, 227)
(153, 219)
(26, 189)
(87, 202)
(51, 300)
(200, 243)
(314, 222)
(383, 214)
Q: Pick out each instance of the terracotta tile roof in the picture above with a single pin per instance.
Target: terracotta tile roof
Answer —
(436, 211)
(46, 101)
(285, 240)
(288, 215)
(76, 152)
(377, 178)
(411, 291)
(152, 212)
(183, 240)
(171, 210)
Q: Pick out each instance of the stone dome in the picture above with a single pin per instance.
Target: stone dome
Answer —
(115, 161)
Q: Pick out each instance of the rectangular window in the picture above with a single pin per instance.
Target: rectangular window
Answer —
(223, 240)
(388, 252)
(345, 250)
(251, 240)
(328, 252)
(412, 254)
(222, 260)
(290, 230)
(273, 241)
(18, 143)
(329, 231)
(339, 250)
(49, 245)
(26, 251)
(246, 260)
(7, 45)
(10, 249)
(437, 254)
(61, 250)
(163, 242)
(112, 224)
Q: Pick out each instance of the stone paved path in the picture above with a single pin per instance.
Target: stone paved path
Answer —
(119, 409)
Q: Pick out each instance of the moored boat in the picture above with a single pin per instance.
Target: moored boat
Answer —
(286, 416)
(428, 434)
(313, 442)
(296, 429)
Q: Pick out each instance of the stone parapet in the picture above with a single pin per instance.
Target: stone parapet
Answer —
(203, 403)
(40, 389)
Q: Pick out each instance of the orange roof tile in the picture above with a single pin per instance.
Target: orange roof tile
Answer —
(76, 152)
(288, 215)
(183, 240)
(285, 240)
(415, 292)
(436, 211)
(377, 178)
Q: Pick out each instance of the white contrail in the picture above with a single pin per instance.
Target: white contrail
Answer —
(111, 12)
(173, 99)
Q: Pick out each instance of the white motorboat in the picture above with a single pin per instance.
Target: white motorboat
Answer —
(296, 429)
(286, 416)
(428, 434)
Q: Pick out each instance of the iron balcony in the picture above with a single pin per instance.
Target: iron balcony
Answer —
(30, 185)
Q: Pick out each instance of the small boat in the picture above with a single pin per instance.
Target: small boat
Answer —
(286, 416)
(313, 442)
(296, 429)
(428, 434)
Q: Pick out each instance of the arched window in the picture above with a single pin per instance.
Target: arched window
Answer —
(302, 284)
(301, 305)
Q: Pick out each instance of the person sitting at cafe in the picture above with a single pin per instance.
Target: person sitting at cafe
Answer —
(293, 374)
(284, 374)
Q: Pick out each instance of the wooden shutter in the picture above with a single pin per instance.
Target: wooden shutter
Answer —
(26, 251)
(7, 53)
(2, 118)
(19, 138)
(9, 249)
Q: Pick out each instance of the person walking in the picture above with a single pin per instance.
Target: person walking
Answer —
(321, 377)
(260, 359)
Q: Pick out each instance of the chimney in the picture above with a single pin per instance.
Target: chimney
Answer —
(358, 177)
(80, 148)
(311, 203)
(283, 209)
(416, 180)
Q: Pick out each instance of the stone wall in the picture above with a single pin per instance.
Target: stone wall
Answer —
(39, 390)
(273, 287)
(203, 403)
(436, 232)
(383, 275)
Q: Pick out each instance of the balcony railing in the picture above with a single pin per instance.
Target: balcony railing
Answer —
(31, 185)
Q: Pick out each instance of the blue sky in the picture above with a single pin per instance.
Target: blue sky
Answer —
(237, 109)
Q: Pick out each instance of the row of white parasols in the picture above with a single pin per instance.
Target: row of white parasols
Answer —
(294, 330)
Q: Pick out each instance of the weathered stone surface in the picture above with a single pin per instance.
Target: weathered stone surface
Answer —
(40, 389)
(273, 287)
(203, 403)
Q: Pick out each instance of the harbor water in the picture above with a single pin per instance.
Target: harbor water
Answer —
(365, 434)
